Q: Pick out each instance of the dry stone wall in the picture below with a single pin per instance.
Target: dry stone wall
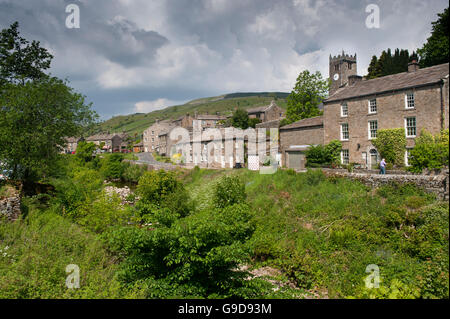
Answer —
(10, 207)
(436, 184)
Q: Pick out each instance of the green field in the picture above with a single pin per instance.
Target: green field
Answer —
(137, 123)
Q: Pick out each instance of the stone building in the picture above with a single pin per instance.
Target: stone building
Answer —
(151, 135)
(271, 112)
(72, 144)
(111, 142)
(357, 108)
(297, 137)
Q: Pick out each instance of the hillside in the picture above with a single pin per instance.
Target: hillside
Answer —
(137, 123)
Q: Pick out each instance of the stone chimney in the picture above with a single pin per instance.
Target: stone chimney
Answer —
(353, 79)
(413, 66)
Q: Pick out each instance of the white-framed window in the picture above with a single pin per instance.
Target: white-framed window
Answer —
(410, 127)
(409, 100)
(407, 156)
(153, 132)
(373, 128)
(153, 139)
(344, 132)
(344, 110)
(345, 157)
(372, 106)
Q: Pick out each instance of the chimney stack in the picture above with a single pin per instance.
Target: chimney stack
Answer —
(353, 79)
(413, 66)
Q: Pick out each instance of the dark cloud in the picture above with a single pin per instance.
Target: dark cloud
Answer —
(128, 52)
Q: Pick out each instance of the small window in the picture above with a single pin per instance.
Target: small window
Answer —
(349, 65)
(408, 156)
(153, 132)
(344, 110)
(153, 139)
(410, 127)
(344, 132)
(409, 100)
(372, 106)
(336, 67)
(373, 128)
(345, 157)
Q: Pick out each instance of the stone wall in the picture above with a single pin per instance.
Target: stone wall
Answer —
(10, 206)
(436, 184)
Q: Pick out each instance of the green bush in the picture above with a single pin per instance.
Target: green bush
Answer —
(131, 173)
(320, 155)
(112, 167)
(198, 255)
(85, 151)
(430, 152)
(391, 144)
(36, 251)
(163, 199)
(229, 191)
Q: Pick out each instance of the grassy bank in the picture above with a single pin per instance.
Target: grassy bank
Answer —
(317, 235)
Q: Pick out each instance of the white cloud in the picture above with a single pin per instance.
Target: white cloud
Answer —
(159, 104)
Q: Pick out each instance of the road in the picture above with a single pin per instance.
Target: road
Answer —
(147, 158)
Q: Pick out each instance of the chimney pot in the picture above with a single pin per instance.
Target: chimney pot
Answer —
(413, 66)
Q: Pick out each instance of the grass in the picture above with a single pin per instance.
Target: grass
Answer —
(318, 233)
(7, 191)
(137, 123)
(323, 233)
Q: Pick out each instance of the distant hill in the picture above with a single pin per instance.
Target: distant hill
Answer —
(135, 124)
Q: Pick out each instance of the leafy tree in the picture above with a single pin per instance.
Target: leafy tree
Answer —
(318, 155)
(240, 119)
(389, 63)
(391, 144)
(112, 167)
(309, 91)
(21, 61)
(84, 151)
(229, 191)
(436, 50)
(37, 111)
(252, 122)
(430, 152)
(35, 118)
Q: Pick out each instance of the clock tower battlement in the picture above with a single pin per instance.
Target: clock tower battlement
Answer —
(341, 67)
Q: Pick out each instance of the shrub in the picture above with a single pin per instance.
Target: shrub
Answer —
(112, 167)
(229, 191)
(85, 151)
(132, 173)
(391, 144)
(430, 152)
(197, 255)
(320, 155)
(154, 186)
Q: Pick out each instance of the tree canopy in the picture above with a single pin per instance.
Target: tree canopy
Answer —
(19, 60)
(436, 50)
(389, 63)
(304, 100)
(37, 111)
(240, 119)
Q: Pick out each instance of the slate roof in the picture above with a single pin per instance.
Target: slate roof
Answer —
(400, 81)
(311, 122)
(210, 117)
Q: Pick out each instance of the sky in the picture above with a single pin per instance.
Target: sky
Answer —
(137, 56)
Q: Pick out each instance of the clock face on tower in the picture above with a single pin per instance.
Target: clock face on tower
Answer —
(336, 77)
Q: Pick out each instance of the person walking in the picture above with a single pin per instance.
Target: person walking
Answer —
(383, 167)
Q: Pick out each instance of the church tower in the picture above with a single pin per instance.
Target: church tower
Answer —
(341, 67)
